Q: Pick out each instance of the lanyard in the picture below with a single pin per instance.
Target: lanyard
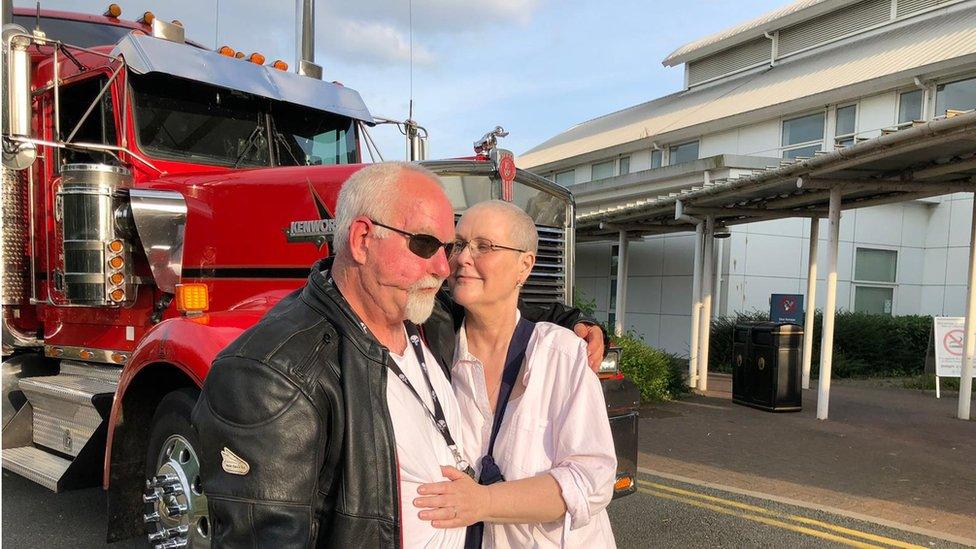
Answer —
(437, 414)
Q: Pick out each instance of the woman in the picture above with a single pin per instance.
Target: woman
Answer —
(553, 447)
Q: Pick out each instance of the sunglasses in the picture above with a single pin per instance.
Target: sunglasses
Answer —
(422, 245)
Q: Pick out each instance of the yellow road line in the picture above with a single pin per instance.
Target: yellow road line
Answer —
(795, 518)
(761, 519)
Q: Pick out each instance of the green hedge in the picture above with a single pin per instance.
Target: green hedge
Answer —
(657, 374)
(865, 345)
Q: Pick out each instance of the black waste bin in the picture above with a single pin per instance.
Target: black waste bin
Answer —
(766, 366)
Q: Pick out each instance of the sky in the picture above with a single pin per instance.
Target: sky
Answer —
(534, 67)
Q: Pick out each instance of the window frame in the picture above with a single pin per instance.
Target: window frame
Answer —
(943, 84)
(805, 144)
(613, 165)
(555, 176)
(660, 158)
(862, 283)
(849, 136)
(620, 163)
(921, 107)
(612, 272)
(673, 147)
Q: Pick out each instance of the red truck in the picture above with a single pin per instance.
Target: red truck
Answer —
(158, 199)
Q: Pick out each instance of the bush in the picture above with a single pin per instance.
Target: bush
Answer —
(658, 375)
(865, 345)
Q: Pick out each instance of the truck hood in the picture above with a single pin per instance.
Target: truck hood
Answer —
(272, 218)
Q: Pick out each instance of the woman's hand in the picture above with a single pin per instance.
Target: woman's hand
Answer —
(458, 502)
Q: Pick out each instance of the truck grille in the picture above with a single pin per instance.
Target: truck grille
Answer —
(547, 283)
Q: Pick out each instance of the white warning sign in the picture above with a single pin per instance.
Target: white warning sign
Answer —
(948, 335)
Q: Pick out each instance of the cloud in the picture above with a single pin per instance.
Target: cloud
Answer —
(370, 42)
(435, 16)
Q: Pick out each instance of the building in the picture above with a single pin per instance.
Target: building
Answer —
(813, 76)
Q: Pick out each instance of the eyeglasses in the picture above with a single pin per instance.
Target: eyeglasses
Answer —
(422, 245)
(479, 246)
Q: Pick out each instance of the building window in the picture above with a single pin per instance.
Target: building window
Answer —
(657, 156)
(685, 152)
(566, 178)
(624, 165)
(803, 136)
(958, 96)
(874, 280)
(909, 107)
(845, 120)
(612, 307)
(602, 170)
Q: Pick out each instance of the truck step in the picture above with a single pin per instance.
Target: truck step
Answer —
(36, 465)
(65, 416)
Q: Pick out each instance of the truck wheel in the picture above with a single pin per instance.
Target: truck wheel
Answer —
(176, 508)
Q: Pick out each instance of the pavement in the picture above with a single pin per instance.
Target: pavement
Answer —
(886, 454)
(891, 468)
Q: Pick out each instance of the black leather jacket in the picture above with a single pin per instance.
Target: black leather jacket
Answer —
(301, 399)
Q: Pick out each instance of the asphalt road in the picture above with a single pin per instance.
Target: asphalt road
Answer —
(663, 513)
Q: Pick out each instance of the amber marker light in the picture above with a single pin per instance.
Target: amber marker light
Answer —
(115, 246)
(280, 65)
(114, 10)
(86, 354)
(623, 483)
(226, 50)
(147, 18)
(192, 298)
(118, 358)
(116, 262)
(117, 295)
(256, 58)
(117, 278)
(239, 55)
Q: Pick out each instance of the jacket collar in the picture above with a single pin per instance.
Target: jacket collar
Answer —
(321, 293)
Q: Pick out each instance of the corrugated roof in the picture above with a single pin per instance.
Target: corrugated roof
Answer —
(778, 18)
(902, 50)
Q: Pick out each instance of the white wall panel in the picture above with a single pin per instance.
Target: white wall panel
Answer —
(908, 298)
(679, 255)
(915, 223)
(957, 265)
(937, 233)
(676, 295)
(647, 257)
(645, 325)
(874, 113)
(773, 256)
(955, 301)
(910, 266)
(879, 225)
(644, 294)
(934, 267)
(762, 139)
(674, 333)
(932, 300)
(726, 142)
(593, 259)
(960, 221)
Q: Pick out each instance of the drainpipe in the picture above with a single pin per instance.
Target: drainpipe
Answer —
(696, 300)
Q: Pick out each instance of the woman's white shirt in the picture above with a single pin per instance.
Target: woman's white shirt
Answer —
(557, 425)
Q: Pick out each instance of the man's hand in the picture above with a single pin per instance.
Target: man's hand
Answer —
(593, 335)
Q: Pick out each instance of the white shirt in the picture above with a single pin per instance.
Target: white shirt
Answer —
(558, 426)
(421, 449)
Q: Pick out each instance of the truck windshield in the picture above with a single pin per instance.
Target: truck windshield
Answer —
(197, 122)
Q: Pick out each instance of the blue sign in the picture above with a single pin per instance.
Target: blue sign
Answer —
(786, 308)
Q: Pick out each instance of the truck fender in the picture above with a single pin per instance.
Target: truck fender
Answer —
(174, 354)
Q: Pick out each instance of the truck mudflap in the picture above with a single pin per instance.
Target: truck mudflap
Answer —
(623, 408)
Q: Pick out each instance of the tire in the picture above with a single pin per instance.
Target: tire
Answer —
(176, 508)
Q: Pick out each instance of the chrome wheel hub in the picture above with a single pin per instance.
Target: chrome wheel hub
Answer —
(177, 514)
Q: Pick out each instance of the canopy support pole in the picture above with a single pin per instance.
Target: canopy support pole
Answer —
(696, 303)
(620, 323)
(811, 301)
(969, 338)
(705, 322)
(830, 307)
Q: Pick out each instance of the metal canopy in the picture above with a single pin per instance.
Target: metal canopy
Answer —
(145, 54)
(928, 159)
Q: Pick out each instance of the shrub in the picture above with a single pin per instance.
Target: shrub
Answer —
(657, 374)
(865, 345)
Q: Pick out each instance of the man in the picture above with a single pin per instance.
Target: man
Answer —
(306, 439)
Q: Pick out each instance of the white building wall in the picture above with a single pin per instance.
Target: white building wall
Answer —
(931, 238)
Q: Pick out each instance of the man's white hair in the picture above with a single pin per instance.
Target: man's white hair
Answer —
(521, 227)
(372, 192)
